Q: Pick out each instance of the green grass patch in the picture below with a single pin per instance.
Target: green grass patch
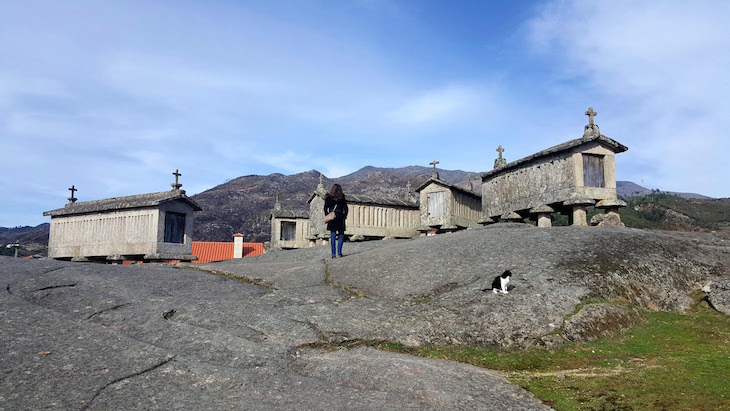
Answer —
(709, 214)
(673, 362)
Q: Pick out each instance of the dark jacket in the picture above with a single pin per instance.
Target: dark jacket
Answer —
(338, 224)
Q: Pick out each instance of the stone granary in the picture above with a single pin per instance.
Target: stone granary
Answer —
(369, 217)
(445, 207)
(145, 227)
(565, 178)
(289, 228)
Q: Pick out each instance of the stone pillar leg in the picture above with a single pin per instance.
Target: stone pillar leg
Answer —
(543, 220)
(543, 215)
(579, 215)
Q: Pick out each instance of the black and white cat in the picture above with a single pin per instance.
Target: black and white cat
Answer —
(499, 284)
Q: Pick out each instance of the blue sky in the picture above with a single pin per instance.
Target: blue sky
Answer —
(112, 97)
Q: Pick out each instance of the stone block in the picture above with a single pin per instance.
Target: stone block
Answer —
(610, 204)
(486, 221)
(512, 217)
(607, 220)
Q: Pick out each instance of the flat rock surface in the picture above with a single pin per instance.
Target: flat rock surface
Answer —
(264, 332)
(101, 337)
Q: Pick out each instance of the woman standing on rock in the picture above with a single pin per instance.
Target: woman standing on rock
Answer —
(334, 201)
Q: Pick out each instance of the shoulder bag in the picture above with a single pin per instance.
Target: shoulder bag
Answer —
(331, 216)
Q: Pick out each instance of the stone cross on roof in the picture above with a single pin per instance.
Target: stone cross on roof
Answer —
(499, 161)
(277, 204)
(435, 173)
(320, 186)
(73, 189)
(590, 113)
(177, 185)
(591, 129)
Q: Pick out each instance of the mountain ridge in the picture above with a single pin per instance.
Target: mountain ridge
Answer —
(243, 204)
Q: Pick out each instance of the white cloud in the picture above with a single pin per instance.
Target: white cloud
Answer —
(446, 104)
(149, 76)
(661, 67)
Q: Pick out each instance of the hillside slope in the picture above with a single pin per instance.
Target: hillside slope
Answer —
(243, 204)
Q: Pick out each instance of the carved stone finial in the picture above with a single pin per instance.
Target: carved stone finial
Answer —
(72, 199)
(277, 204)
(176, 185)
(434, 174)
(591, 129)
(590, 113)
(320, 186)
(499, 162)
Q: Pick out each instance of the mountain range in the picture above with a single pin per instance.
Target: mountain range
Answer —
(244, 204)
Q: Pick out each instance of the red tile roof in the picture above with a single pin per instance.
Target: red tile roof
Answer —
(253, 249)
(210, 251)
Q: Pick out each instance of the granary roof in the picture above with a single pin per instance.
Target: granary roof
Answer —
(447, 185)
(364, 199)
(124, 203)
(289, 214)
(605, 141)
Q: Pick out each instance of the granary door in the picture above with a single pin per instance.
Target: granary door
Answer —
(436, 204)
(593, 171)
(288, 231)
(174, 228)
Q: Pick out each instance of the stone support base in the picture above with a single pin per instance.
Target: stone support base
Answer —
(578, 216)
(543, 215)
(611, 218)
(544, 220)
(512, 217)
(486, 221)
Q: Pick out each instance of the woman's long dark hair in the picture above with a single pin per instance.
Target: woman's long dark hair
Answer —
(335, 192)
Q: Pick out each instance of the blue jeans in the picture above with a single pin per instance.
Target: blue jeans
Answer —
(340, 239)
